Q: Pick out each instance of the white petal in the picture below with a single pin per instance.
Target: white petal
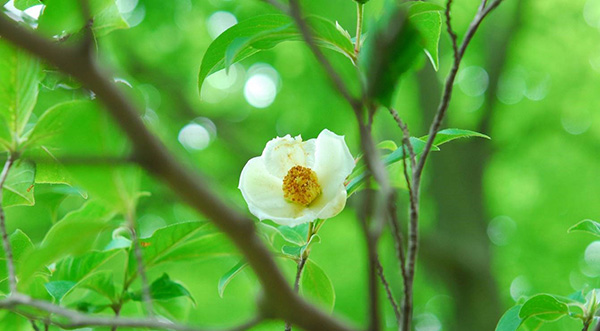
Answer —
(333, 161)
(264, 195)
(281, 154)
(328, 206)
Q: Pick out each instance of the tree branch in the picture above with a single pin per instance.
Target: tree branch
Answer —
(388, 291)
(448, 86)
(79, 320)
(281, 301)
(10, 266)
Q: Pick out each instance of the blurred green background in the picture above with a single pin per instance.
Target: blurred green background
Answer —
(495, 213)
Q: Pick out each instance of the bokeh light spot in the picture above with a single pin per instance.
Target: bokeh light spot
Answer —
(473, 81)
(260, 90)
(220, 21)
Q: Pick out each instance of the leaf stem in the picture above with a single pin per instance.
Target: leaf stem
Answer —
(360, 10)
(313, 227)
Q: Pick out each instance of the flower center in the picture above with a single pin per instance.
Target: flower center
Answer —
(300, 185)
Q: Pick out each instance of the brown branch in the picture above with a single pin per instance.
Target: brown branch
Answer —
(299, 268)
(10, 266)
(447, 94)
(79, 320)
(388, 291)
(141, 270)
(417, 172)
(280, 301)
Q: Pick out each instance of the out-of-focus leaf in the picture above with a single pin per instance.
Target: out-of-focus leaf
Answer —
(427, 18)
(181, 241)
(20, 75)
(65, 17)
(295, 235)
(510, 321)
(317, 286)
(24, 4)
(163, 289)
(447, 135)
(58, 289)
(74, 234)
(544, 307)
(19, 185)
(588, 226)
(389, 52)
(86, 271)
(229, 275)
(21, 245)
(64, 131)
(264, 32)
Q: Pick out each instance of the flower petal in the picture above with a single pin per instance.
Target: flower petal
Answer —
(328, 206)
(264, 195)
(281, 154)
(333, 161)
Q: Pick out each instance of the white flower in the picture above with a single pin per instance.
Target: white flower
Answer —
(295, 181)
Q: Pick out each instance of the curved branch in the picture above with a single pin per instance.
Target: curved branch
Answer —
(280, 300)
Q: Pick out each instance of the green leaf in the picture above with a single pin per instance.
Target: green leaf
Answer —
(295, 235)
(263, 32)
(64, 132)
(510, 321)
(163, 289)
(181, 241)
(24, 4)
(19, 185)
(390, 51)
(359, 175)
(229, 275)
(588, 226)
(293, 251)
(427, 18)
(58, 289)
(21, 245)
(20, 76)
(74, 234)
(65, 17)
(545, 307)
(87, 271)
(317, 286)
(447, 135)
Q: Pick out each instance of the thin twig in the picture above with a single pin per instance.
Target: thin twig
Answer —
(282, 7)
(34, 325)
(448, 86)
(417, 172)
(10, 265)
(388, 291)
(141, 270)
(280, 300)
(299, 269)
(80, 320)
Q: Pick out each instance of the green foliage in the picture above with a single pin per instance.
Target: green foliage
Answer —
(19, 79)
(164, 288)
(74, 234)
(65, 17)
(316, 285)
(588, 226)
(264, 32)
(24, 4)
(402, 32)
(229, 275)
(19, 186)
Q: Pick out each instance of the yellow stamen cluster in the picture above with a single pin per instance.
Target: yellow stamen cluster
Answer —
(301, 186)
